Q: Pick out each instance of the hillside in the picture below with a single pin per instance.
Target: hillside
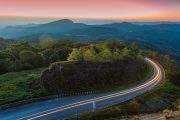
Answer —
(52, 27)
(163, 37)
(163, 100)
(30, 70)
(93, 76)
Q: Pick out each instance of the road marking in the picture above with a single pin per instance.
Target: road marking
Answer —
(85, 102)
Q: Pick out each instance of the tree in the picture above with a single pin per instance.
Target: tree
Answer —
(90, 55)
(47, 56)
(117, 54)
(126, 52)
(26, 56)
(154, 55)
(168, 63)
(6, 61)
(75, 55)
(113, 44)
(106, 55)
(132, 107)
(46, 44)
(15, 49)
(135, 48)
(30, 58)
(4, 65)
(60, 54)
(174, 77)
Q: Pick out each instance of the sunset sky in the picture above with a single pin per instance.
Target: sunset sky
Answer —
(93, 9)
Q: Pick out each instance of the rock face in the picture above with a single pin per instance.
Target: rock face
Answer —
(86, 75)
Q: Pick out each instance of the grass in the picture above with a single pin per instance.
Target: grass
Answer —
(16, 86)
(166, 95)
(147, 103)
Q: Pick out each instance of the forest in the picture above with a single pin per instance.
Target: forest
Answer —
(29, 69)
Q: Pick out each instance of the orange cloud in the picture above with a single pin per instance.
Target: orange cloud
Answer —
(93, 9)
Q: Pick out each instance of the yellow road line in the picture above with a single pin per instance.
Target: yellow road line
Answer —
(73, 105)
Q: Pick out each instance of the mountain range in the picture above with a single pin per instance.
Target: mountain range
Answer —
(164, 37)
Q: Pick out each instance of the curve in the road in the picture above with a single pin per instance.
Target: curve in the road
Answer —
(154, 81)
(65, 107)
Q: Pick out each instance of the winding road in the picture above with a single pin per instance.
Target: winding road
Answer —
(62, 108)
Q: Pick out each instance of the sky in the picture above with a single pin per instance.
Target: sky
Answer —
(155, 10)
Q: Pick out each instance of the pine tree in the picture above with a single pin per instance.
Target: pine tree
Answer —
(90, 55)
(75, 55)
(106, 55)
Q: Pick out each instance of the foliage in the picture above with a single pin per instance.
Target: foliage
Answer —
(18, 56)
(23, 55)
(108, 51)
(17, 86)
(171, 69)
(164, 96)
(94, 75)
(111, 44)
(90, 55)
(29, 57)
(76, 55)
(106, 55)
(6, 42)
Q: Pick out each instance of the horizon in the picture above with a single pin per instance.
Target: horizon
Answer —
(143, 10)
(20, 12)
(4, 22)
(89, 59)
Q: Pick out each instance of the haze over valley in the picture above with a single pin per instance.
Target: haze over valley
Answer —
(161, 36)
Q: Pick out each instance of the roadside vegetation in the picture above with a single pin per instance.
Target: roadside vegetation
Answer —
(23, 55)
(164, 98)
(86, 67)
(97, 67)
(15, 86)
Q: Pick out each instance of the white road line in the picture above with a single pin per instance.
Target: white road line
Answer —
(81, 103)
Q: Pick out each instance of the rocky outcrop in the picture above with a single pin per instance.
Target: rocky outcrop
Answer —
(86, 75)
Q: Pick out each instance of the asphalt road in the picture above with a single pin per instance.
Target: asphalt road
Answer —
(62, 108)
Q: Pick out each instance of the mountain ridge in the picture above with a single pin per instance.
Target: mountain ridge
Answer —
(65, 25)
(165, 37)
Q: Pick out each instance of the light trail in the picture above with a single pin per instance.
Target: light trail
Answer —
(156, 79)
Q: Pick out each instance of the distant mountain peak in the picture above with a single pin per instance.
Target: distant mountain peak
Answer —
(64, 21)
(126, 23)
(122, 24)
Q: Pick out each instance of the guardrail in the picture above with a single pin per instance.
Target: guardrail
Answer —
(39, 99)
